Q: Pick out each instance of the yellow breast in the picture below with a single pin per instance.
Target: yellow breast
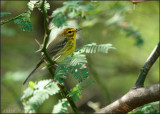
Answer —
(67, 50)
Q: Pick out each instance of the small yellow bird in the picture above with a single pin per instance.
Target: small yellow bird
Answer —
(62, 46)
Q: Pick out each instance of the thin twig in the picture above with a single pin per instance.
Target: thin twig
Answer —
(147, 66)
(11, 19)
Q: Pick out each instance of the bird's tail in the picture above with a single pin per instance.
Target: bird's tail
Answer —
(39, 63)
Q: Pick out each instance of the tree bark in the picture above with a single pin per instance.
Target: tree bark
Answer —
(133, 99)
(147, 66)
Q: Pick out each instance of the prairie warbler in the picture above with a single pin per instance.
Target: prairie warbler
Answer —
(62, 46)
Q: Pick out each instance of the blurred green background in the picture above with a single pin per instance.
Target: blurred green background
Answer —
(114, 73)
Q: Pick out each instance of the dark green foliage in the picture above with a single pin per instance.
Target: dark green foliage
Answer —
(59, 20)
(80, 72)
(36, 94)
(72, 9)
(147, 109)
(4, 14)
(76, 63)
(24, 22)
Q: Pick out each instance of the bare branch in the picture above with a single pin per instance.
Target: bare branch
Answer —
(148, 64)
(133, 99)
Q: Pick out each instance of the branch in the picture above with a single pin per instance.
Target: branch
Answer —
(51, 62)
(11, 19)
(46, 36)
(148, 64)
(133, 99)
(70, 100)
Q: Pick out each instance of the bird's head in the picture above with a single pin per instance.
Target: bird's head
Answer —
(70, 32)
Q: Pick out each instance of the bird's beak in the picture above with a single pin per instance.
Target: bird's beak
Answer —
(78, 30)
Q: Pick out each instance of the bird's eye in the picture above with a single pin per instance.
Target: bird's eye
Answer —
(69, 31)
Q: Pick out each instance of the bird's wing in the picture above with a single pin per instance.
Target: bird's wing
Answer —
(55, 46)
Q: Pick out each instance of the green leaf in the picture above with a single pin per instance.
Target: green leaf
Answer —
(4, 14)
(46, 5)
(147, 108)
(80, 72)
(76, 63)
(24, 22)
(94, 48)
(78, 59)
(75, 93)
(72, 9)
(33, 98)
(31, 84)
(61, 107)
(59, 20)
(31, 5)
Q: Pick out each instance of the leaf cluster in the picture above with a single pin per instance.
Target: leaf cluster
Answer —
(71, 10)
(61, 106)
(24, 21)
(36, 94)
(114, 18)
(77, 62)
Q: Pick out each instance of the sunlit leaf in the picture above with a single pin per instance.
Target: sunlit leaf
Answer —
(61, 107)
(34, 97)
